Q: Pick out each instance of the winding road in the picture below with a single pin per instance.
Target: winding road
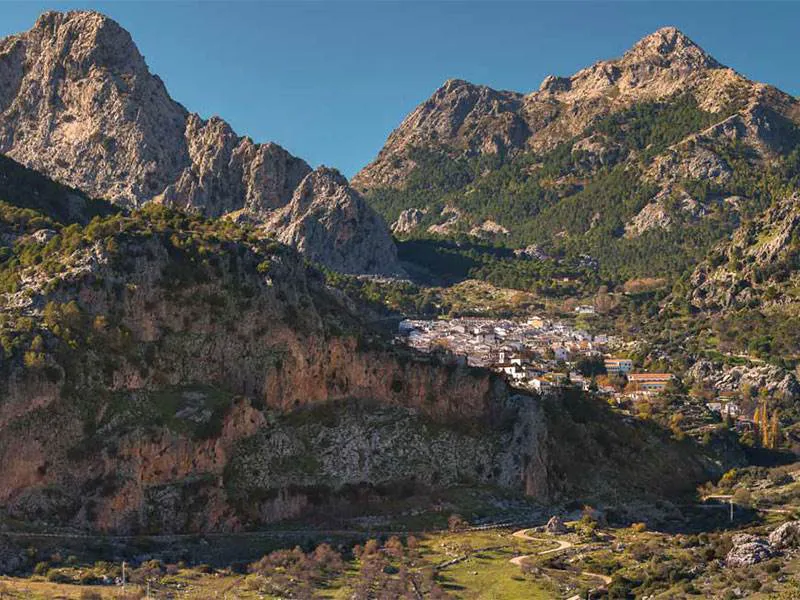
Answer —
(562, 545)
(523, 533)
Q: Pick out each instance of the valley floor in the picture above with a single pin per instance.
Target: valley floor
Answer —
(685, 559)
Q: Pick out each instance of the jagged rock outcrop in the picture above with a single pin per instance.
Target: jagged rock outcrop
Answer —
(533, 251)
(449, 219)
(652, 216)
(757, 261)
(408, 221)
(78, 103)
(329, 222)
(555, 526)
(594, 152)
(229, 174)
(777, 382)
(488, 230)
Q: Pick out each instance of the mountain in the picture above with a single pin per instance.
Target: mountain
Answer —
(641, 162)
(162, 372)
(78, 103)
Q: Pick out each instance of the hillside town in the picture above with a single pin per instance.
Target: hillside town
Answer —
(542, 355)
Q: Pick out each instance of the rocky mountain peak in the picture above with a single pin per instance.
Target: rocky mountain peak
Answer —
(468, 119)
(474, 118)
(670, 44)
(79, 104)
(82, 107)
(82, 42)
(453, 84)
(552, 83)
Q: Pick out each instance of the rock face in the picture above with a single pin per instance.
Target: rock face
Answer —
(468, 119)
(78, 103)
(775, 381)
(247, 392)
(164, 372)
(408, 221)
(228, 173)
(329, 222)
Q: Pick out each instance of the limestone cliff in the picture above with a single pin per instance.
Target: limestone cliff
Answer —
(162, 372)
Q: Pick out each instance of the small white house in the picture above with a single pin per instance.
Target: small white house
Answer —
(539, 384)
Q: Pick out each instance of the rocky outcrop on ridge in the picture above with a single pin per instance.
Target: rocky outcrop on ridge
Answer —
(329, 222)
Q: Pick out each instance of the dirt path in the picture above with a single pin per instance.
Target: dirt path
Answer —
(523, 533)
(562, 545)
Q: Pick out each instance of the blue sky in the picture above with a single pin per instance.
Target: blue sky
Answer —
(330, 80)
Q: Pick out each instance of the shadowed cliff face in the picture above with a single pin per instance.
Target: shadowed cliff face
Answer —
(165, 369)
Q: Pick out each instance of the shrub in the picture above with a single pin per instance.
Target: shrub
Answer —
(457, 523)
(41, 568)
(57, 576)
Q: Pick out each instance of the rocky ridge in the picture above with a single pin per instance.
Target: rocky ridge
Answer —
(78, 103)
(330, 223)
(689, 137)
(462, 117)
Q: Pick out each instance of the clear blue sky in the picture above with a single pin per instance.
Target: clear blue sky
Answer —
(330, 80)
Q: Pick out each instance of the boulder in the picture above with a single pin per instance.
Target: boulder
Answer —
(42, 236)
(740, 539)
(749, 553)
(555, 526)
(786, 536)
